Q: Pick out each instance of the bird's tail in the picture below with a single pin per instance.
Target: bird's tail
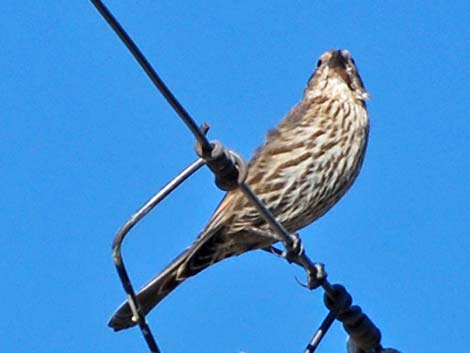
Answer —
(201, 255)
(152, 293)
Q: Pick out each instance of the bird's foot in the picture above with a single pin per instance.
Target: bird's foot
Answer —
(316, 275)
(294, 250)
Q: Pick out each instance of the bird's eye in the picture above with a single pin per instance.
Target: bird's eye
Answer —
(318, 63)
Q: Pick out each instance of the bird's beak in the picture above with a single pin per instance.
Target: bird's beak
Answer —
(337, 60)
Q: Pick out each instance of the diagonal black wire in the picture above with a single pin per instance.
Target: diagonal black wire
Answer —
(321, 331)
(151, 73)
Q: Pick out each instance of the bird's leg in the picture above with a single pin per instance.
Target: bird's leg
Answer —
(293, 247)
(279, 253)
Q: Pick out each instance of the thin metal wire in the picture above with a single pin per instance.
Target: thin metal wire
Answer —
(155, 200)
(152, 74)
(267, 215)
(320, 332)
(138, 315)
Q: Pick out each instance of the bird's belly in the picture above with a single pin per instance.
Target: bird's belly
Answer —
(317, 184)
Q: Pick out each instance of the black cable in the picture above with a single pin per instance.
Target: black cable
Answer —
(152, 74)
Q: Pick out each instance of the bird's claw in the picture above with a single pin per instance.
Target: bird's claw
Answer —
(316, 273)
(293, 250)
(316, 276)
(300, 283)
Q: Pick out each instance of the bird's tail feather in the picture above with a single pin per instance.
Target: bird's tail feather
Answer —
(151, 294)
(196, 258)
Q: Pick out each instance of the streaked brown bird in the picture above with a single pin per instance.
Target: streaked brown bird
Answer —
(303, 168)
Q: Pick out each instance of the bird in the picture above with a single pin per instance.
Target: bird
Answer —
(305, 165)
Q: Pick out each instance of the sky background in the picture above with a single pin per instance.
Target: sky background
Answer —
(85, 139)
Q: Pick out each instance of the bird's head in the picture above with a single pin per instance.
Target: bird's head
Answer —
(336, 75)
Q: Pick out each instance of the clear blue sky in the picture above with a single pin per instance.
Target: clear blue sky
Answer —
(85, 139)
